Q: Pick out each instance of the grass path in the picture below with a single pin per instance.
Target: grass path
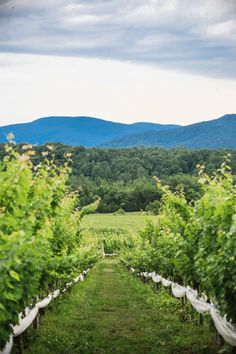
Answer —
(112, 312)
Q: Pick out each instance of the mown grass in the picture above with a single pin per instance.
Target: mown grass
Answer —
(130, 222)
(113, 312)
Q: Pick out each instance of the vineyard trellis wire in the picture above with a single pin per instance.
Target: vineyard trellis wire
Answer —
(31, 312)
(200, 303)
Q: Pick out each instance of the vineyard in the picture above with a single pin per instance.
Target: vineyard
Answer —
(193, 244)
(41, 249)
(47, 244)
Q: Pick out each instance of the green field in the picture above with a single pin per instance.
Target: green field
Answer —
(114, 231)
(132, 222)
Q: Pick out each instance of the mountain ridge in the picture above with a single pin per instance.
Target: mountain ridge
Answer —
(82, 130)
(216, 133)
(96, 132)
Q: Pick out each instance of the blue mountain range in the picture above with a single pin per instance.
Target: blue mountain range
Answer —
(95, 132)
(86, 131)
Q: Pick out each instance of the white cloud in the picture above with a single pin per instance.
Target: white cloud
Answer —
(195, 36)
(225, 30)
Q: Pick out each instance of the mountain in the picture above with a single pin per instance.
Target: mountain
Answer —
(86, 131)
(217, 133)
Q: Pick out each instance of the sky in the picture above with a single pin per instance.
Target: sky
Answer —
(163, 61)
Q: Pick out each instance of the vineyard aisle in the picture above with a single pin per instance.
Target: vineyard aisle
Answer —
(112, 312)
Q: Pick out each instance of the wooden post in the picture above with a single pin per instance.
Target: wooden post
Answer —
(25, 340)
(186, 305)
(19, 344)
(156, 286)
(219, 339)
(36, 320)
(103, 251)
(183, 307)
(42, 312)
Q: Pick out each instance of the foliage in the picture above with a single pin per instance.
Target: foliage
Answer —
(123, 178)
(40, 244)
(194, 243)
(89, 209)
(153, 207)
(114, 239)
(119, 212)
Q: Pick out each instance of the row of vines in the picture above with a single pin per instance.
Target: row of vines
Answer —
(194, 243)
(40, 244)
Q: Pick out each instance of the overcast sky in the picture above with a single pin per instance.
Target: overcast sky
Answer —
(166, 61)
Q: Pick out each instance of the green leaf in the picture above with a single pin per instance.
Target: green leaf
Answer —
(14, 275)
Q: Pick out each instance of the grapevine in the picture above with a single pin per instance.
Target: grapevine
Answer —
(40, 243)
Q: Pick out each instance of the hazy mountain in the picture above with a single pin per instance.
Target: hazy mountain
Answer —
(85, 131)
(217, 133)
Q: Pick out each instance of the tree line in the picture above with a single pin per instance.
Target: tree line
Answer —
(123, 178)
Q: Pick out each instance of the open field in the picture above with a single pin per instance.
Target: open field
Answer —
(132, 222)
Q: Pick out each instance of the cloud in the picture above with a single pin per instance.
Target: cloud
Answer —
(197, 36)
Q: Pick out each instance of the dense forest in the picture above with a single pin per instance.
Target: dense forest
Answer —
(124, 178)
